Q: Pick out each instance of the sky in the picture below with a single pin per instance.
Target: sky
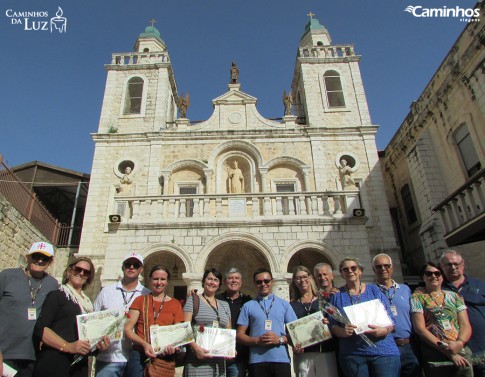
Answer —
(52, 85)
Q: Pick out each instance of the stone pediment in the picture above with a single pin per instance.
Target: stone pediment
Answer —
(235, 110)
(234, 96)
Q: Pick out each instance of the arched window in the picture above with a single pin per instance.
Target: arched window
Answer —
(408, 204)
(134, 94)
(467, 150)
(333, 87)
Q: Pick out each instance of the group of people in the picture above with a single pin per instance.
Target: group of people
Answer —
(442, 321)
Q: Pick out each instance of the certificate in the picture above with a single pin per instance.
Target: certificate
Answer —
(8, 371)
(93, 326)
(219, 342)
(368, 313)
(308, 330)
(176, 335)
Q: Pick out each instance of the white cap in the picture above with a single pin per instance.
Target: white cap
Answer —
(43, 248)
(134, 256)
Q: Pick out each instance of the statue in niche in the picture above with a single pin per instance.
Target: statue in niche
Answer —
(126, 183)
(234, 73)
(288, 102)
(236, 179)
(183, 104)
(346, 171)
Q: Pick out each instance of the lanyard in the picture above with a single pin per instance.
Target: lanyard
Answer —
(386, 292)
(263, 309)
(155, 316)
(127, 301)
(34, 292)
(358, 296)
(440, 307)
(213, 308)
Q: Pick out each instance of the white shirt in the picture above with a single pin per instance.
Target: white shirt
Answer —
(112, 297)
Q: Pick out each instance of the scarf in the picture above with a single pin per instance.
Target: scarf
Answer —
(80, 299)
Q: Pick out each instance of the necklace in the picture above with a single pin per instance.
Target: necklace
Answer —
(350, 296)
(307, 305)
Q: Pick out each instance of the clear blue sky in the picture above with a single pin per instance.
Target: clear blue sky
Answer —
(52, 85)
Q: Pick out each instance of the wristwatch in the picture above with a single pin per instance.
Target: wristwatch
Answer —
(282, 340)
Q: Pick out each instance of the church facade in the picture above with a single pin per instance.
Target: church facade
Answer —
(236, 190)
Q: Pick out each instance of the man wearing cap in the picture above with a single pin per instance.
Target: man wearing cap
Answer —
(113, 361)
(399, 296)
(22, 293)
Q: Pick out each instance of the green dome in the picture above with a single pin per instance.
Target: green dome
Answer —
(313, 25)
(151, 32)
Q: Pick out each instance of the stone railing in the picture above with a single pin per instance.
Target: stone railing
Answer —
(124, 58)
(465, 205)
(338, 51)
(237, 207)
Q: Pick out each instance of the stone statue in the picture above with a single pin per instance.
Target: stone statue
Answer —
(234, 73)
(126, 183)
(346, 172)
(288, 102)
(236, 180)
(183, 104)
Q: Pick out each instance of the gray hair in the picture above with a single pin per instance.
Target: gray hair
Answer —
(318, 266)
(356, 260)
(381, 255)
(449, 251)
(232, 270)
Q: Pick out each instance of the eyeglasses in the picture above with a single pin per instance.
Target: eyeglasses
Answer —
(302, 278)
(38, 256)
(380, 266)
(265, 281)
(428, 274)
(351, 268)
(136, 265)
(81, 271)
(449, 265)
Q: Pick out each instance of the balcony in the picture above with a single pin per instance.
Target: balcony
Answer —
(129, 58)
(463, 212)
(329, 205)
(337, 51)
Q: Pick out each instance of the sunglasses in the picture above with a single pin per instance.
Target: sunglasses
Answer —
(136, 265)
(265, 281)
(431, 273)
(381, 266)
(37, 257)
(81, 271)
(351, 268)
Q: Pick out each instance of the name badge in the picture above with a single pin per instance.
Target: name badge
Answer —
(215, 324)
(394, 310)
(32, 314)
(446, 325)
(268, 324)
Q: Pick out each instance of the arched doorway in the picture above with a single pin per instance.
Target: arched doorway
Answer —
(307, 257)
(177, 287)
(241, 255)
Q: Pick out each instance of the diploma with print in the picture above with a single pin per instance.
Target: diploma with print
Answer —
(175, 335)
(93, 326)
(219, 342)
(368, 313)
(308, 330)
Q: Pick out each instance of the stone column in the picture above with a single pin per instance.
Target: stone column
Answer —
(306, 180)
(208, 180)
(166, 177)
(263, 172)
(193, 280)
(281, 287)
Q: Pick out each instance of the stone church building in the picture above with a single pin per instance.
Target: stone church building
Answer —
(236, 190)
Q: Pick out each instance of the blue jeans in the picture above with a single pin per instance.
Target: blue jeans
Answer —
(135, 365)
(236, 369)
(104, 369)
(370, 366)
(410, 365)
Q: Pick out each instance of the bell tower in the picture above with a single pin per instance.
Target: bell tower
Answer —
(140, 88)
(327, 84)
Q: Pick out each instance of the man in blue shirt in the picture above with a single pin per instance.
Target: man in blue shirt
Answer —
(399, 296)
(473, 293)
(266, 316)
